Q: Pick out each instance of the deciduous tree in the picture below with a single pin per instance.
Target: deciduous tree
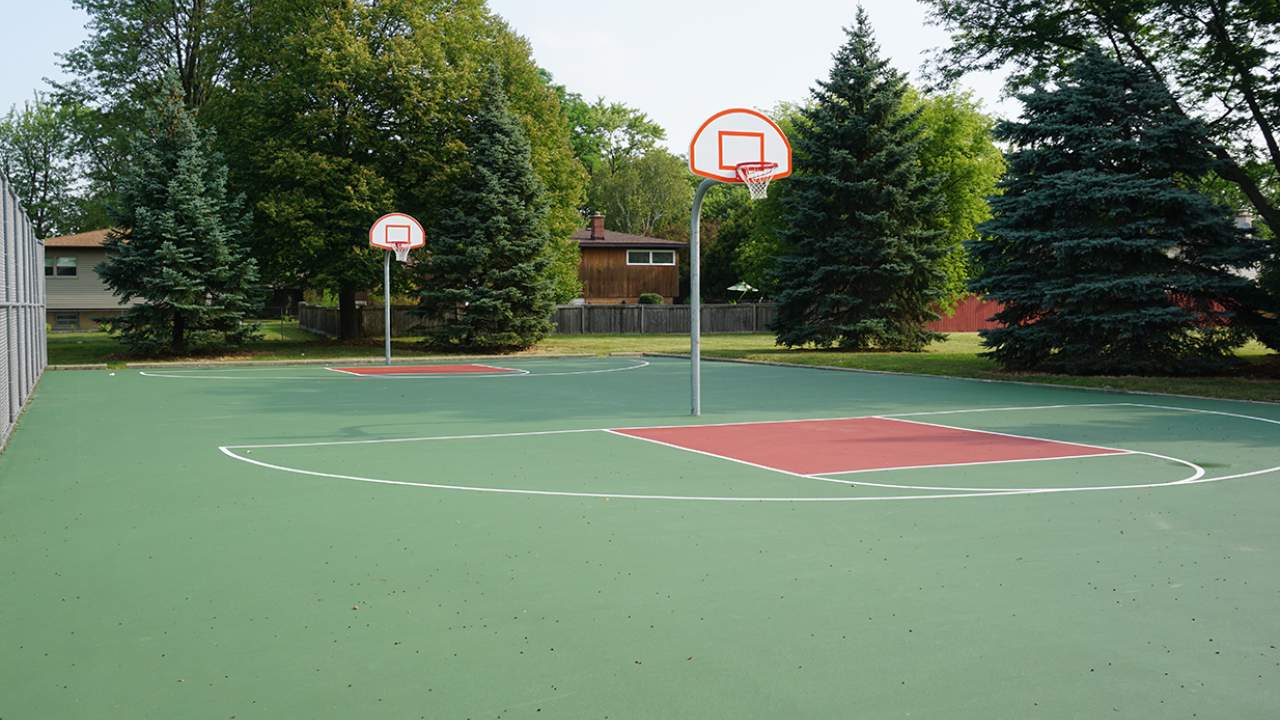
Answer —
(645, 195)
(1217, 58)
(957, 148)
(38, 155)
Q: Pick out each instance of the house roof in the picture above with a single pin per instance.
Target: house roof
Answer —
(613, 239)
(90, 239)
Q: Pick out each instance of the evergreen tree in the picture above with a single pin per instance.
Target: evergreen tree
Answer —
(177, 247)
(1106, 256)
(486, 278)
(859, 267)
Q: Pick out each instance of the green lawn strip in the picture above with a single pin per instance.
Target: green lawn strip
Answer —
(957, 357)
(969, 366)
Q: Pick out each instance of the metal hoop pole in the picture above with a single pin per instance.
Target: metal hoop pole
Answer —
(386, 305)
(695, 298)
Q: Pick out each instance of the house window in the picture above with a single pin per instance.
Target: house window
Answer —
(60, 267)
(66, 321)
(651, 257)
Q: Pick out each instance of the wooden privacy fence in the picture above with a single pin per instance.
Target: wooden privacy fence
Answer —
(23, 351)
(567, 319)
(971, 315)
(655, 319)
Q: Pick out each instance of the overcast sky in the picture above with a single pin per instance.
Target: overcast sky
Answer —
(677, 60)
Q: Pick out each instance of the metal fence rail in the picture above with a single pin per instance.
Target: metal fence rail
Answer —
(22, 327)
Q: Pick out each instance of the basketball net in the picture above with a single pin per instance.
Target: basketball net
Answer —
(402, 251)
(756, 176)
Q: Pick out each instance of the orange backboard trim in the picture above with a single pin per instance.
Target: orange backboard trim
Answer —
(734, 179)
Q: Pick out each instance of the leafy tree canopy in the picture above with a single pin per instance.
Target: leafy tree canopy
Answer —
(122, 66)
(605, 133)
(38, 154)
(644, 195)
(957, 148)
(339, 111)
(1217, 59)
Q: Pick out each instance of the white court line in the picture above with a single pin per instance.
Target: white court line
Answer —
(999, 434)
(1199, 471)
(480, 436)
(974, 462)
(558, 493)
(333, 369)
(871, 417)
(413, 375)
(496, 367)
(740, 461)
(1194, 480)
(1206, 412)
(453, 376)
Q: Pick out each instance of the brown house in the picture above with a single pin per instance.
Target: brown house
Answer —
(618, 267)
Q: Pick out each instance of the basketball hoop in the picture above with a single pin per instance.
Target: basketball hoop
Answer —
(756, 176)
(397, 233)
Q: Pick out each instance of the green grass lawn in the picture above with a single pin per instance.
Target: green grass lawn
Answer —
(957, 357)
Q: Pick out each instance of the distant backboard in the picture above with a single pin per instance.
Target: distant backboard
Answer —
(735, 136)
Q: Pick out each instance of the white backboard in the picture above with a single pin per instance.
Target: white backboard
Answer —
(397, 230)
(734, 136)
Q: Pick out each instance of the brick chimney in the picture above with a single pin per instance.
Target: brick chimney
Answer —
(597, 226)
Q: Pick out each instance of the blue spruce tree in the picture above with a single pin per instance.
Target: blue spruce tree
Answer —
(1107, 258)
(178, 243)
(486, 281)
(859, 268)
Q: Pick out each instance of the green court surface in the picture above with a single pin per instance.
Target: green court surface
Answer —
(536, 542)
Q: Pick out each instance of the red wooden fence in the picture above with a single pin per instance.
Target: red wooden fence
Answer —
(972, 314)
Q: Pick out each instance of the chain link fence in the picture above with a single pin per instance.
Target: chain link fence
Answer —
(23, 354)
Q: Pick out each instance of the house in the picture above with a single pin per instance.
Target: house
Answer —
(74, 294)
(619, 267)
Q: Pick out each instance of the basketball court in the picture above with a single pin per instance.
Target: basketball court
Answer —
(558, 538)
